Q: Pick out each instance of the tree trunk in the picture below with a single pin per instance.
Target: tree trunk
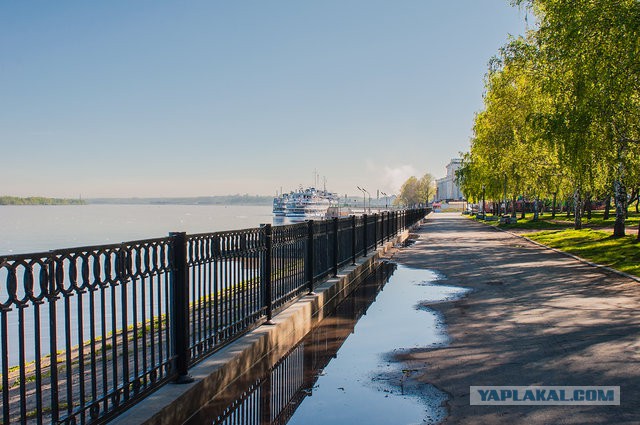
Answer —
(585, 203)
(535, 209)
(505, 195)
(513, 207)
(553, 208)
(577, 208)
(607, 207)
(588, 207)
(620, 196)
(524, 207)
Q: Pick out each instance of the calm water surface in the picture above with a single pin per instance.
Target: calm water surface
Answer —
(345, 371)
(25, 229)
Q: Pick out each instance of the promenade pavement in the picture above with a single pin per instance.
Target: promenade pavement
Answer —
(533, 317)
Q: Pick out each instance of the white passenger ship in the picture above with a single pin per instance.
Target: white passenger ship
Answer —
(304, 204)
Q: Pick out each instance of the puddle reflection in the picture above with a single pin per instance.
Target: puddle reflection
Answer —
(359, 386)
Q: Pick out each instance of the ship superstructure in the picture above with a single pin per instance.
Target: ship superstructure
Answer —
(304, 204)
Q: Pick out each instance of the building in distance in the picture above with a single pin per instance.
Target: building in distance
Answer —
(446, 188)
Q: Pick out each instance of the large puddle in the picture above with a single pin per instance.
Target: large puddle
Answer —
(344, 371)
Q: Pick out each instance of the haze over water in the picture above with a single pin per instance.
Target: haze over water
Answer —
(27, 229)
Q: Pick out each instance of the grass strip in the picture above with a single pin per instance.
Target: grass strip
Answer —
(596, 246)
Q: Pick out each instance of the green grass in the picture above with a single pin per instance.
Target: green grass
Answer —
(561, 221)
(544, 222)
(597, 219)
(595, 245)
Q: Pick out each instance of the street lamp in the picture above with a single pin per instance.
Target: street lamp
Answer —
(364, 199)
(386, 200)
(367, 192)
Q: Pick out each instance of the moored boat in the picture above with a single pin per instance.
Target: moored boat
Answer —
(304, 204)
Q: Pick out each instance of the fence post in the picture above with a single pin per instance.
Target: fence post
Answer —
(52, 296)
(364, 234)
(375, 231)
(335, 246)
(310, 255)
(266, 272)
(353, 239)
(180, 306)
(385, 227)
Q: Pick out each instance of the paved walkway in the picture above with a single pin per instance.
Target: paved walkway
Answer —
(534, 317)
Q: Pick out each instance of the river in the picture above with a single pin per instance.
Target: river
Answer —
(26, 229)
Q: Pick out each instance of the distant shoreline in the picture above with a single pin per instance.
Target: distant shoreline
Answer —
(248, 200)
(257, 200)
(39, 200)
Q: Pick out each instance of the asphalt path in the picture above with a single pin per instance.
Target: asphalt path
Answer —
(532, 317)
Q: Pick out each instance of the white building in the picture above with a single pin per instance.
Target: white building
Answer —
(446, 187)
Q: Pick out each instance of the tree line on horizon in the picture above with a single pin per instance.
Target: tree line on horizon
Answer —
(561, 115)
(38, 200)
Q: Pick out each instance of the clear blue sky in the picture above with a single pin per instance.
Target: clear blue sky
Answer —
(183, 98)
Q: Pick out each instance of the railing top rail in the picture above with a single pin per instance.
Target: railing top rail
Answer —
(221, 233)
(81, 249)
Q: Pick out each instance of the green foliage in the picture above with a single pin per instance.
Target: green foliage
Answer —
(416, 191)
(562, 108)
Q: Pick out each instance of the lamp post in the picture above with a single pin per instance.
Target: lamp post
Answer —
(386, 200)
(367, 192)
(364, 200)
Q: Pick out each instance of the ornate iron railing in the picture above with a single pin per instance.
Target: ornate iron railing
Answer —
(274, 397)
(86, 332)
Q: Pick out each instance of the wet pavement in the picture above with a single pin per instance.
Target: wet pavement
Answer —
(532, 317)
(347, 370)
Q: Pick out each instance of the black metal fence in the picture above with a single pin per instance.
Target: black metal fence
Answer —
(274, 397)
(86, 332)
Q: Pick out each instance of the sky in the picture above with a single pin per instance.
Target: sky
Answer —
(198, 98)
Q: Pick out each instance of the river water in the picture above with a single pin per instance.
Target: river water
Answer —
(26, 229)
(346, 371)
(32, 229)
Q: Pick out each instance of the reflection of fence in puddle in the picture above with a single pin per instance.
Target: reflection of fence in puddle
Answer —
(274, 397)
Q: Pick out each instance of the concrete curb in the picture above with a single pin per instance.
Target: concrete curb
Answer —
(173, 404)
(568, 254)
